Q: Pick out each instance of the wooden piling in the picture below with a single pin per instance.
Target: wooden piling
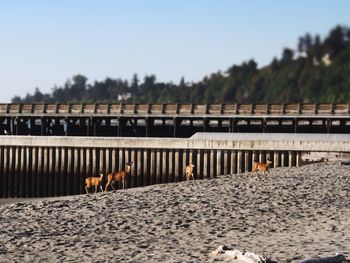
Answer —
(233, 162)
(114, 161)
(176, 169)
(45, 172)
(22, 173)
(76, 171)
(239, 162)
(101, 162)
(121, 160)
(34, 172)
(262, 156)
(254, 157)
(70, 170)
(133, 158)
(282, 159)
(6, 172)
(199, 166)
(158, 165)
(218, 163)
(39, 175)
(246, 161)
(276, 159)
(127, 159)
(269, 155)
(51, 167)
(16, 168)
(191, 157)
(171, 159)
(226, 164)
(138, 164)
(63, 175)
(153, 167)
(164, 176)
(290, 158)
(82, 170)
(205, 164)
(108, 161)
(28, 174)
(298, 159)
(184, 164)
(211, 164)
(11, 172)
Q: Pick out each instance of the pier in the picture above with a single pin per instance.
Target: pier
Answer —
(170, 120)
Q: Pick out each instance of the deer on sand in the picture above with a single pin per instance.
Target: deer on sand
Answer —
(264, 167)
(120, 176)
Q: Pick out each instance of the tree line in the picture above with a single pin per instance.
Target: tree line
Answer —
(317, 70)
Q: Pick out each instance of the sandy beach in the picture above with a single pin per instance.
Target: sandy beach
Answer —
(294, 214)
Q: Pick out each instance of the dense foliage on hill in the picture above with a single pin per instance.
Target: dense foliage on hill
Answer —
(317, 71)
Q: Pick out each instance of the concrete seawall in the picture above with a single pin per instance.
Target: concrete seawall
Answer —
(35, 166)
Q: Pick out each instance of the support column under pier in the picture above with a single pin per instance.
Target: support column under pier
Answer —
(176, 127)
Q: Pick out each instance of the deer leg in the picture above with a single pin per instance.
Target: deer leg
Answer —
(95, 189)
(101, 188)
(124, 184)
(106, 187)
(86, 189)
(192, 177)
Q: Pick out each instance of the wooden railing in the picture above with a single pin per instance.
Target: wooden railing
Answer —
(173, 109)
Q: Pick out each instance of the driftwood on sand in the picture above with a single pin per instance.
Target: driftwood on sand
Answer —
(337, 258)
(249, 257)
(243, 256)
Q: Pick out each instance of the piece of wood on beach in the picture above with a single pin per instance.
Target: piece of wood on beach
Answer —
(240, 255)
(337, 258)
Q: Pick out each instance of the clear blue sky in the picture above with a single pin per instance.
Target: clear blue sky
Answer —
(43, 43)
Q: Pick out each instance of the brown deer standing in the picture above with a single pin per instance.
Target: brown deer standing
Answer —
(264, 167)
(94, 181)
(189, 172)
(120, 176)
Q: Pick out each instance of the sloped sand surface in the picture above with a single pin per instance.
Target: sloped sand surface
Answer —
(294, 214)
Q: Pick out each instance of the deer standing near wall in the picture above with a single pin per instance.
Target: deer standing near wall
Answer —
(94, 181)
(120, 176)
(264, 167)
(189, 171)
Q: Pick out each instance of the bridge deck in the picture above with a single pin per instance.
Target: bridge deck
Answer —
(161, 110)
(170, 120)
